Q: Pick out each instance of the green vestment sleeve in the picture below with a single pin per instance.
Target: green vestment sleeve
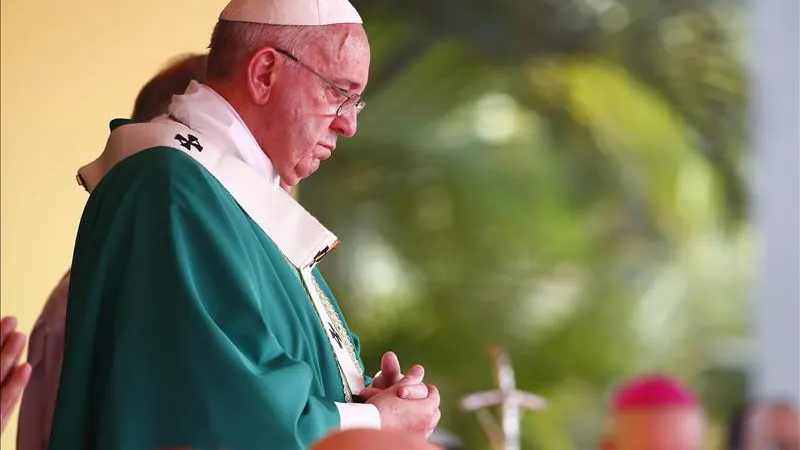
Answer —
(186, 327)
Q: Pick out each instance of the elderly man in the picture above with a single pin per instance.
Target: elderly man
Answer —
(46, 349)
(197, 314)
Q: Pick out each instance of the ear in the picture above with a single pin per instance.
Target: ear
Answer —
(261, 74)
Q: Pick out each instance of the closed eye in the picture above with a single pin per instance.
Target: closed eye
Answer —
(335, 93)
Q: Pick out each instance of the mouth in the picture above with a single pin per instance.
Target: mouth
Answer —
(325, 151)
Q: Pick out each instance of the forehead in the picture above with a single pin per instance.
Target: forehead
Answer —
(342, 54)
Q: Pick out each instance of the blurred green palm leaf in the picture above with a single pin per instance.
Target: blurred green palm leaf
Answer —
(563, 178)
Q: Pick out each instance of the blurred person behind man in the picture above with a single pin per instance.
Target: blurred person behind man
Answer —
(46, 349)
(655, 412)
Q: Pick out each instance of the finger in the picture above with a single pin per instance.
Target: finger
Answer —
(379, 382)
(12, 391)
(10, 353)
(413, 392)
(390, 368)
(433, 421)
(369, 392)
(7, 325)
(390, 372)
(413, 376)
(433, 396)
(437, 415)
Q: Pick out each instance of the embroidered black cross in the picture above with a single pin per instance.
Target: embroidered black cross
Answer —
(335, 335)
(189, 142)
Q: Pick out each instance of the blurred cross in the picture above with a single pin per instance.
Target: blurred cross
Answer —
(511, 401)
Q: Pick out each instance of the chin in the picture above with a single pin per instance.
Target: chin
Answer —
(290, 181)
(306, 169)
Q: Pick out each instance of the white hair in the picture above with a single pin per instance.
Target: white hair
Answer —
(234, 41)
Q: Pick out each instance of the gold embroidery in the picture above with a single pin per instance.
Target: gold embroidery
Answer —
(337, 323)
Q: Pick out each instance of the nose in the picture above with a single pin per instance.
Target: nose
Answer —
(346, 124)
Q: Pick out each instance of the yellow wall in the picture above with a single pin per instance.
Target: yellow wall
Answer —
(68, 67)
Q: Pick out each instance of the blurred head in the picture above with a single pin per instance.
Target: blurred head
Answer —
(296, 87)
(357, 439)
(655, 413)
(155, 97)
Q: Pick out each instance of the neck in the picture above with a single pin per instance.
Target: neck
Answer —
(231, 91)
(227, 89)
(232, 94)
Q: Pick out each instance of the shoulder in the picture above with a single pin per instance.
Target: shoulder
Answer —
(155, 163)
(55, 309)
(47, 335)
(160, 172)
(155, 190)
(164, 166)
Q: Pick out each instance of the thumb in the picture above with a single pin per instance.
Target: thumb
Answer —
(390, 367)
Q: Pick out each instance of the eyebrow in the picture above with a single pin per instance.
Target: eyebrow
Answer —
(348, 85)
(340, 83)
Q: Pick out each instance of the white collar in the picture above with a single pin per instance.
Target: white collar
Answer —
(299, 236)
(233, 157)
(204, 110)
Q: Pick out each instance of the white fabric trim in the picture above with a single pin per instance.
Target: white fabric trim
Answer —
(203, 109)
(352, 373)
(298, 235)
(358, 415)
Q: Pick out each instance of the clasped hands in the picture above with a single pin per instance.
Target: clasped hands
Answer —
(405, 402)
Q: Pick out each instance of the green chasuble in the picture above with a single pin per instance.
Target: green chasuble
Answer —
(186, 325)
